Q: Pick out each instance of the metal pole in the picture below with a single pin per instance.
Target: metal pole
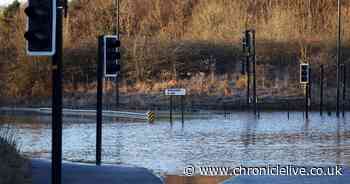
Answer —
(171, 109)
(115, 14)
(117, 92)
(182, 110)
(307, 101)
(56, 168)
(321, 90)
(288, 109)
(99, 101)
(248, 66)
(259, 108)
(338, 57)
(344, 89)
(310, 89)
(254, 74)
(116, 32)
(224, 110)
(248, 81)
(118, 7)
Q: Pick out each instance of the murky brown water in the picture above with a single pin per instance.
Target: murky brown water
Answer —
(238, 140)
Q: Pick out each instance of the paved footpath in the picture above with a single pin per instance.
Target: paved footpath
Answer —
(91, 174)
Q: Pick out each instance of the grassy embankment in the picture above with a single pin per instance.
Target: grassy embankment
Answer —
(14, 168)
(195, 42)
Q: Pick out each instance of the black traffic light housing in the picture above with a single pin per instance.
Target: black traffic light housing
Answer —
(304, 73)
(41, 27)
(111, 55)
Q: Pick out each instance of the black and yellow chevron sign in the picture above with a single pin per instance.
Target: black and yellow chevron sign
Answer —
(151, 116)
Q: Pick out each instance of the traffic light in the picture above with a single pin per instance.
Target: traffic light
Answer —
(41, 27)
(111, 55)
(304, 73)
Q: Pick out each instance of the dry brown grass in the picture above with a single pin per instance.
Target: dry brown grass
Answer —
(165, 39)
(241, 83)
(14, 169)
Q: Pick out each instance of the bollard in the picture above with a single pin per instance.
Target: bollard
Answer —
(151, 116)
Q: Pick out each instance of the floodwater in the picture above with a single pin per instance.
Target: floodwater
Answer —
(234, 140)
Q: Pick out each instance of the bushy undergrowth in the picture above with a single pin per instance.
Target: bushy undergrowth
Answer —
(166, 40)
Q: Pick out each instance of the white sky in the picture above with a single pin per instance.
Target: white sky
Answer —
(6, 2)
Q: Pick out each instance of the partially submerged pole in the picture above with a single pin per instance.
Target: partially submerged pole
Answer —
(344, 89)
(254, 74)
(307, 101)
(321, 89)
(288, 109)
(171, 109)
(56, 167)
(310, 89)
(99, 101)
(338, 58)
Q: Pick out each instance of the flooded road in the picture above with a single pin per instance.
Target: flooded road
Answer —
(238, 139)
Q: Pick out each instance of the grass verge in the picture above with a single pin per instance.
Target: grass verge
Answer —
(14, 168)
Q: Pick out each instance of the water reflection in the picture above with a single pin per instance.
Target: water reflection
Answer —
(338, 149)
(238, 139)
(248, 134)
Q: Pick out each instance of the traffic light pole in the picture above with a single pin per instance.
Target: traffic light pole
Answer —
(344, 89)
(99, 101)
(310, 89)
(321, 89)
(307, 101)
(116, 30)
(248, 81)
(56, 168)
(254, 75)
(338, 58)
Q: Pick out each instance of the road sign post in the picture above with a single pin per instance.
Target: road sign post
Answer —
(182, 110)
(176, 92)
(171, 110)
